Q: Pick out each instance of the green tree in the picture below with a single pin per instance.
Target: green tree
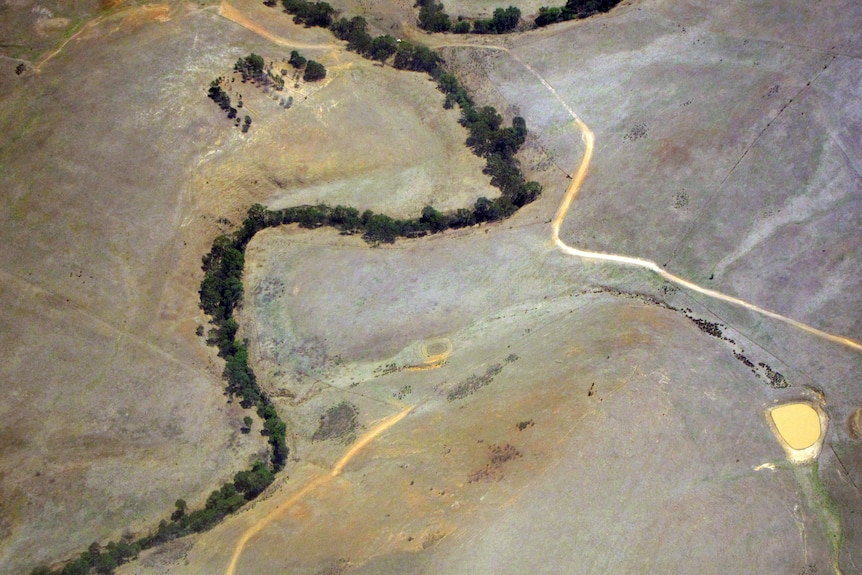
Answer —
(296, 60)
(380, 228)
(548, 16)
(435, 220)
(314, 71)
(461, 27)
(180, 510)
(252, 483)
(106, 564)
(251, 67)
(433, 18)
(346, 219)
(506, 19)
(382, 47)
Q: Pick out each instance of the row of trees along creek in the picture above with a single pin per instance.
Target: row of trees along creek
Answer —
(221, 289)
(433, 18)
(573, 9)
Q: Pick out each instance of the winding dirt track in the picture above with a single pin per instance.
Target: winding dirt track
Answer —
(47, 57)
(578, 177)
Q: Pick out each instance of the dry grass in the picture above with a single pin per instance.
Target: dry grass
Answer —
(117, 171)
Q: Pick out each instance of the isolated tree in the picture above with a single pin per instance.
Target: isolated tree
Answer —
(314, 71)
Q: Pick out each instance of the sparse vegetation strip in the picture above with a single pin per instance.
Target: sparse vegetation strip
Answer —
(763, 370)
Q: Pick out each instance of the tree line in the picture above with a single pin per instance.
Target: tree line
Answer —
(433, 18)
(487, 137)
(573, 9)
(231, 496)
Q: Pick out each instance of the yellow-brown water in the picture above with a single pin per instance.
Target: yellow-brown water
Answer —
(798, 424)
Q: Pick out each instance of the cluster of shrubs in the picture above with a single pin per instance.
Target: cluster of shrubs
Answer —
(573, 9)
(433, 18)
(251, 68)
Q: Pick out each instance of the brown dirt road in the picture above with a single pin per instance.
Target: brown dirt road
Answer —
(336, 470)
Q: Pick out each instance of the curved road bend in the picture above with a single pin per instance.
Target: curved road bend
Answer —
(578, 178)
